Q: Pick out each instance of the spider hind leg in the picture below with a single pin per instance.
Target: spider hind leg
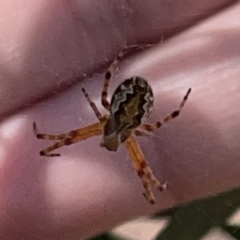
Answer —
(108, 76)
(174, 114)
(92, 105)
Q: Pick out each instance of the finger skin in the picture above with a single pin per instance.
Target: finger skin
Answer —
(44, 46)
(88, 189)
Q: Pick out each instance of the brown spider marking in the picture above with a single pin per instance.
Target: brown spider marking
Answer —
(130, 106)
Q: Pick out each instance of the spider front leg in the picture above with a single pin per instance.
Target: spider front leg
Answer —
(143, 170)
(68, 138)
(151, 127)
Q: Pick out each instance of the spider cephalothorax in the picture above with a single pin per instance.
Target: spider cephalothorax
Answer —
(129, 108)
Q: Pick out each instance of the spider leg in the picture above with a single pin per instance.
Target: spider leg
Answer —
(108, 75)
(110, 70)
(92, 104)
(151, 127)
(143, 170)
(68, 138)
(49, 136)
(142, 132)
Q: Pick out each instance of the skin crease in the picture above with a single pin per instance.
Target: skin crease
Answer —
(89, 189)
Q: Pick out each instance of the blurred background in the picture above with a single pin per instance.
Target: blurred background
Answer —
(213, 218)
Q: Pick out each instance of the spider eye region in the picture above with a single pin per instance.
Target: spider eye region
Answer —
(131, 103)
(112, 136)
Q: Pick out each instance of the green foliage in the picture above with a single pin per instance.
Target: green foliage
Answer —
(194, 220)
(108, 236)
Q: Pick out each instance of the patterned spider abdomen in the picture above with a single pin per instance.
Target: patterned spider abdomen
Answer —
(131, 105)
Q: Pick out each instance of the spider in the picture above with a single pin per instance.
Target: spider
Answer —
(129, 108)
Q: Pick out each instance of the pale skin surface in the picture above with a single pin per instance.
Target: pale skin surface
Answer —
(88, 189)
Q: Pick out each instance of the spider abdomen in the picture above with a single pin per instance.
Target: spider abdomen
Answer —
(131, 103)
(130, 106)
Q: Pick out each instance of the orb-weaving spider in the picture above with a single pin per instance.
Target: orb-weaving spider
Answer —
(130, 106)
